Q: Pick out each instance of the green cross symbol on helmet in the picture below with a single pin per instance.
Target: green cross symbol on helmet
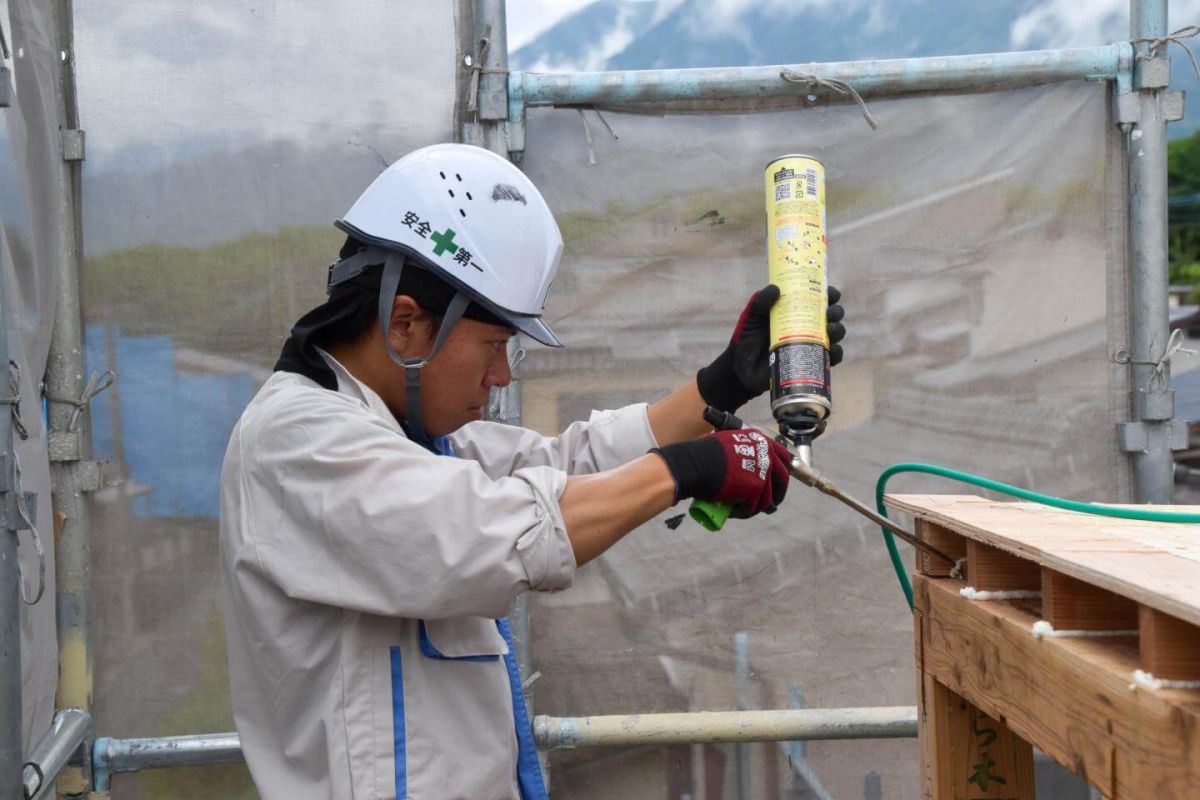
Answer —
(443, 242)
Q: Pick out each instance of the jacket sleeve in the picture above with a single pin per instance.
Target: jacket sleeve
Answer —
(606, 440)
(347, 512)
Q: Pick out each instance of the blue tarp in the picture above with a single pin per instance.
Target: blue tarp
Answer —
(174, 425)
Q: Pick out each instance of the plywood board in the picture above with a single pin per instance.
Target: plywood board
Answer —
(1155, 564)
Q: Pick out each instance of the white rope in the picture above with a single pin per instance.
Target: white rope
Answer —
(1043, 629)
(97, 383)
(14, 400)
(27, 521)
(1186, 32)
(587, 131)
(1147, 681)
(1174, 345)
(814, 81)
(478, 69)
(971, 593)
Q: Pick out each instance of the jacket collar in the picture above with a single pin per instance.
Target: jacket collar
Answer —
(351, 386)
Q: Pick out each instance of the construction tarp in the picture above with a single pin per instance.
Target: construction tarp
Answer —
(223, 141)
(32, 173)
(978, 243)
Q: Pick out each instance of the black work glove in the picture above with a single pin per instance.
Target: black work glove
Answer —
(742, 468)
(743, 371)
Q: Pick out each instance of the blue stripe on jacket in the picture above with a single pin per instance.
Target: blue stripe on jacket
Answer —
(529, 771)
(398, 739)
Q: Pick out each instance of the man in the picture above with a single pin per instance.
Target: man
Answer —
(374, 532)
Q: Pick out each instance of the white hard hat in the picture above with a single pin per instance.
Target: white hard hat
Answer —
(475, 221)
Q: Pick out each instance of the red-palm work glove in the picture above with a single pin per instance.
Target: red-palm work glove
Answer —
(742, 468)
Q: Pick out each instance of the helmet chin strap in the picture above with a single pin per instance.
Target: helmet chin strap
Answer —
(389, 282)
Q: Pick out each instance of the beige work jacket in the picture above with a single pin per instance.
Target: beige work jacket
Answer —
(362, 579)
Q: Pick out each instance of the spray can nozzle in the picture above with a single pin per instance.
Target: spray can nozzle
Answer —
(797, 432)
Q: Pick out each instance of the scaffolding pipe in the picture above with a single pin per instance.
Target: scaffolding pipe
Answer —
(490, 24)
(61, 746)
(111, 756)
(67, 431)
(879, 77)
(741, 671)
(710, 727)
(1152, 401)
(10, 595)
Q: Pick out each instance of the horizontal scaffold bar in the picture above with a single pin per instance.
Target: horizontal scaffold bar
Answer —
(883, 722)
(879, 77)
(132, 755)
(783, 725)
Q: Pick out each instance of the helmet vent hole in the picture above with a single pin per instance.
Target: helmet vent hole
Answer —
(469, 196)
(458, 176)
(451, 191)
(443, 175)
(463, 213)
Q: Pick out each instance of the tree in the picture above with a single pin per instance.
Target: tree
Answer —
(1183, 187)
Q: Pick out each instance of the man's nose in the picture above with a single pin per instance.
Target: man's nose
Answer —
(499, 373)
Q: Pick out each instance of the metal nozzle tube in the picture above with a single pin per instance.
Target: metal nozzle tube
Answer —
(804, 472)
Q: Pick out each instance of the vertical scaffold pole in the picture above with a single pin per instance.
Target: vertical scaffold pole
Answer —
(489, 129)
(1152, 401)
(71, 471)
(11, 760)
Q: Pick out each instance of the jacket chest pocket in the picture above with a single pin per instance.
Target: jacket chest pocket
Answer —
(461, 739)
(432, 705)
(461, 639)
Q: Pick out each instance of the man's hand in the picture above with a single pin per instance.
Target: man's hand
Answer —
(742, 468)
(743, 372)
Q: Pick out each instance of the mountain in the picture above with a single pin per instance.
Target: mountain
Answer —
(766, 33)
(701, 33)
(665, 34)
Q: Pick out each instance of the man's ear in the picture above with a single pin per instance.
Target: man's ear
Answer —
(405, 326)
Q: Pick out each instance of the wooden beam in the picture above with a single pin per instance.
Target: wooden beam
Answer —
(1169, 647)
(968, 755)
(944, 539)
(992, 569)
(1069, 697)
(1072, 605)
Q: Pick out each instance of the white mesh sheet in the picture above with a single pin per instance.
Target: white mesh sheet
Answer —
(31, 166)
(977, 241)
(223, 140)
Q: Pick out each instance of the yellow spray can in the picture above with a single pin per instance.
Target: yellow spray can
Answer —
(796, 263)
(799, 357)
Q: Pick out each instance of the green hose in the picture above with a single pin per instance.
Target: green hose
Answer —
(1012, 491)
